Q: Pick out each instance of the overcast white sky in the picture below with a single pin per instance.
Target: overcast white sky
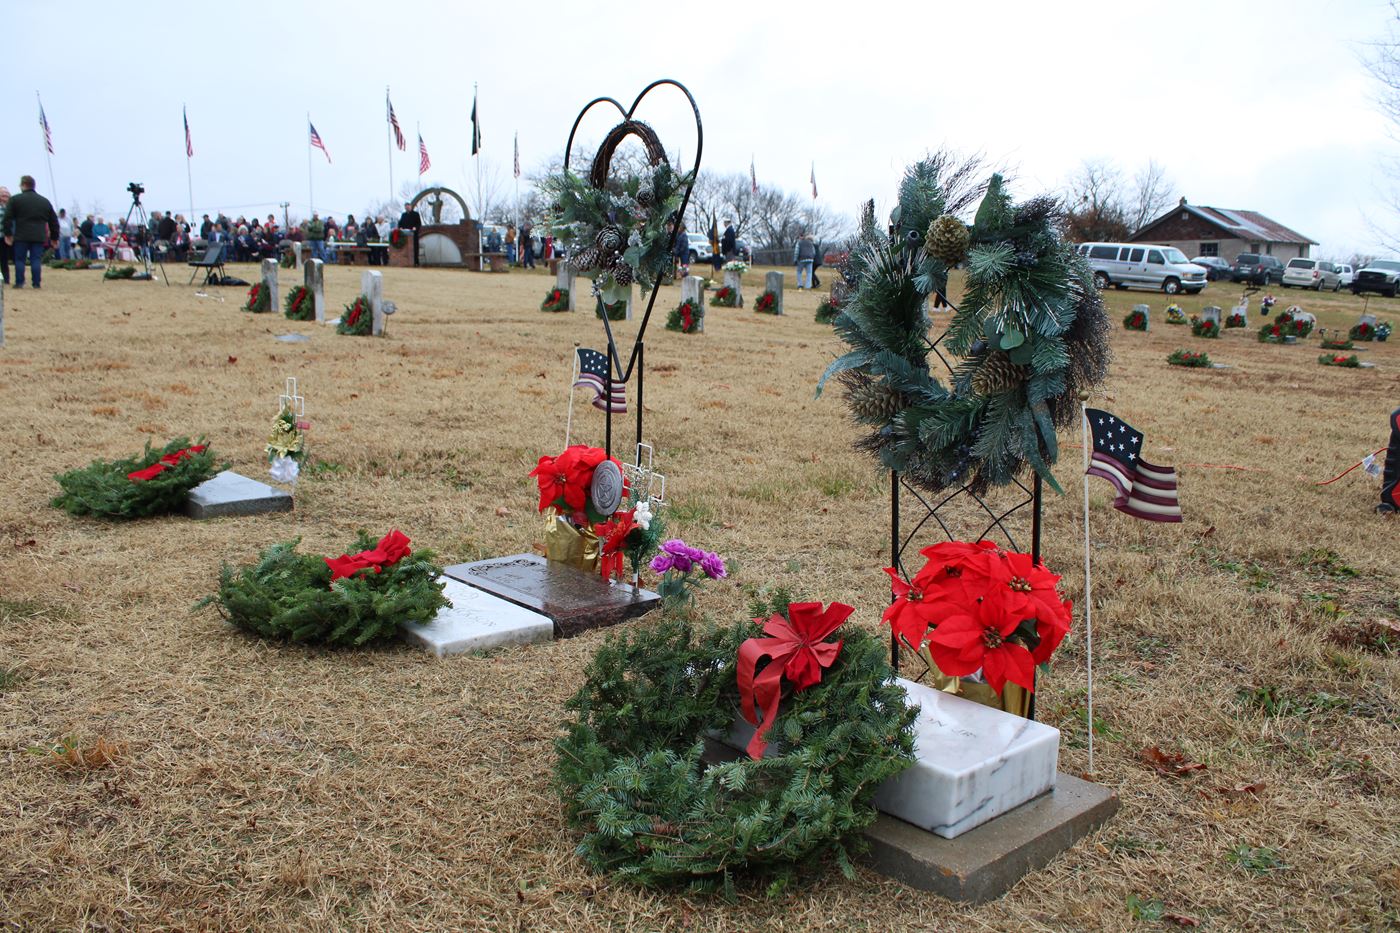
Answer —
(1263, 106)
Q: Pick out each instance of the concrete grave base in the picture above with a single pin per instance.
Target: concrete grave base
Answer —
(477, 621)
(231, 493)
(983, 864)
(574, 600)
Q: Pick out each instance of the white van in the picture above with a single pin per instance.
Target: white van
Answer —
(1142, 265)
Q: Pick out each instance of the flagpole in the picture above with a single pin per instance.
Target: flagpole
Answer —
(517, 180)
(189, 172)
(476, 122)
(310, 185)
(389, 145)
(1088, 581)
(48, 156)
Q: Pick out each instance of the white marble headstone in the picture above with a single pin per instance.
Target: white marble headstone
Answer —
(972, 764)
(477, 621)
(734, 280)
(269, 280)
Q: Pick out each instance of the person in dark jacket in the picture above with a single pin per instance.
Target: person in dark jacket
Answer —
(729, 245)
(1390, 479)
(5, 248)
(166, 231)
(28, 222)
(409, 220)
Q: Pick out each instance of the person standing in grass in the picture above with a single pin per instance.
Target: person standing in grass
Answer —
(5, 248)
(1390, 479)
(315, 232)
(28, 222)
(804, 253)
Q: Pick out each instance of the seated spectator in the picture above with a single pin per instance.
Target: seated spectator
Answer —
(245, 248)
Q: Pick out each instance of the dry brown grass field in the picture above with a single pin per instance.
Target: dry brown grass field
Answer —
(213, 781)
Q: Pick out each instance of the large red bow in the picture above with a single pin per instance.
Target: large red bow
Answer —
(169, 460)
(391, 549)
(797, 650)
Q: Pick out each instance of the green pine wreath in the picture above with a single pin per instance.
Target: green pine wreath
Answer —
(289, 596)
(358, 318)
(556, 300)
(1030, 334)
(103, 489)
(631, 775)
(300, 304)
(259, 299)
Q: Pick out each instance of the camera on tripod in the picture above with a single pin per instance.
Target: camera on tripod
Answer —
(136, 188)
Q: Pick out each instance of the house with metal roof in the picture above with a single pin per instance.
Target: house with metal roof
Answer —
(1223, 232)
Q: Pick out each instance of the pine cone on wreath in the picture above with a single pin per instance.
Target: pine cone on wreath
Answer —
(645, 196)
(947, 240)
(871, 402)
(586, 258)
(998, 374)
(621, 273)
(608, 240)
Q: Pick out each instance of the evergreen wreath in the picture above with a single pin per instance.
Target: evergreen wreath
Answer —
(296, 597)
(358, 319)
(108, 488)
(300, 304)
(827, 311)
(556, 300)
(767, 303)
(1236, 319)
(725, 297)
(287, 260)
(259, 299)
(1284, 326)
(1031, 332)
(1362, 331)
(686, 317)
(1330, 344)
(631, 776)
(1136, 320)
(119, 272)
(397, 238)
(621, 225)
(1190, 358)
(1205, 327)
(617, 310)
(1346, 362)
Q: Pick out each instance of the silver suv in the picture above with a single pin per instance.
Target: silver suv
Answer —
(1140, 265)
(1311, 273)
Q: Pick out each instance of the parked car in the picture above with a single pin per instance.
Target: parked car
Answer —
(1256, 268)
(1311, 273)
(699, 247)
(1379, 275)
(1346, 273)
(1141, 265)
(1216, 268)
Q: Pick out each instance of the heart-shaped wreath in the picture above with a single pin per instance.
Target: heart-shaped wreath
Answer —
(1031, 333)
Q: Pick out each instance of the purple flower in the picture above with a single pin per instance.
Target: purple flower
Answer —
(677, 547)
(661, 563)
(713, 565)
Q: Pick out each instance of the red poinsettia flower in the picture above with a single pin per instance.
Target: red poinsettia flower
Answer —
(1030, 592)
(909, 615)
(975, 637)
(963, 571)
(564, 480)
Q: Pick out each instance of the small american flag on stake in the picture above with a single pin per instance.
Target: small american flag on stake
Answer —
(424, 163)
(593, 372)
(394, 122)
(316, 140)
(1144, 491)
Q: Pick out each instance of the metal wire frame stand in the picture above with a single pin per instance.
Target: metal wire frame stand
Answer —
(636, 361)
(900, 541)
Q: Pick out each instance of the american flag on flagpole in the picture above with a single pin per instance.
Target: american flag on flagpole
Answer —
(814, 181)
(1144, 491)
(753, 176)
(48, 136)
(476, 127)
(394, 122)
(593, 372)
(316, 140)
(517, 155)
(424, 163)
(189, 143)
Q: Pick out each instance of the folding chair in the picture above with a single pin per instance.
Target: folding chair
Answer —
(212, 259)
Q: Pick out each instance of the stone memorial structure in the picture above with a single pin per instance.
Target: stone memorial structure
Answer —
(296, 253)
(735, 281)
(232, 494)
(773, 282)
(693, 290)
(477, 621)
(565, 277)
(1146, 313)
(269, 280)
(372, 286)
(441, 243)
(313, 278)
(1211, 313)
(573, 600)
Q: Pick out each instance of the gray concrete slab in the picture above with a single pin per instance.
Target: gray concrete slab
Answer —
(231, 493)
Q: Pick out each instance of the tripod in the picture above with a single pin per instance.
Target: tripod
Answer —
(142, 238)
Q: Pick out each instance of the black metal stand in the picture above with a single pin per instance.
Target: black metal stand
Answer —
(617, 373)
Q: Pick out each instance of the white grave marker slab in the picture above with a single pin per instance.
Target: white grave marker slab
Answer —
(693, 290)
(313, 278)
(372, 286)
(735, 281)
(773, 282)
(269, 280)
(477, 621)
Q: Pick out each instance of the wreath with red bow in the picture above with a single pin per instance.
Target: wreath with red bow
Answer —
(360, 597)
(155, 482)
(653, 808)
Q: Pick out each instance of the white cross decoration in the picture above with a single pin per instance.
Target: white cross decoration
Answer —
(641, 476)
(290, 400)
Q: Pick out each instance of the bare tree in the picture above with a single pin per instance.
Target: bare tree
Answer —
(1152, 194)
(1094, 203)
(1383, 61)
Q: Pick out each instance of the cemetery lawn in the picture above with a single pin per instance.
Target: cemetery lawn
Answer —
(204, 779)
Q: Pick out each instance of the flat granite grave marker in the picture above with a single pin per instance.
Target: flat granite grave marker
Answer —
(314, 279)
(269, 280)
(230, 493)
(773, 282)
(574, 600)
(477, 621)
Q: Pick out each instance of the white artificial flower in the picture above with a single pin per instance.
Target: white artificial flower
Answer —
(642, 516)
(284, 470)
